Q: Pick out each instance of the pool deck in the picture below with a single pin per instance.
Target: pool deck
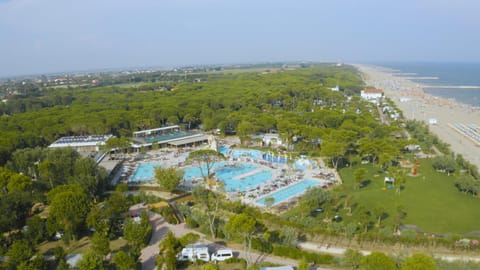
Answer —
(247, 174)
(283, 175)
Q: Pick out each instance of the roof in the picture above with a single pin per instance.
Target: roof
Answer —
(147, 131)
(370, 90)
(285, 267)
(78, 141)
(73, 259)
(187, 140)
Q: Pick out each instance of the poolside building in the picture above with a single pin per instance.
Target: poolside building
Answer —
(88, 143)
(167, 136)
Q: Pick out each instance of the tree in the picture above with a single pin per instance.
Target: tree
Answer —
(269, 201)
(137, 233)
(168, 178)
(116, 144)
(419, 262)
(124, 261)
(36, 231)
(303, 264)
(244, 226)
(168, 249)
(100, 244)
(333, 150)
(68, 210)
(377, 261)
(14, 208)
(89, 176)
(312, 199)
(444, 163)
(359, 175)
(205, 159)
(19, 251)
(90, 261)
(210, 202)
(352, 258)
(209, 266)
(379, 214)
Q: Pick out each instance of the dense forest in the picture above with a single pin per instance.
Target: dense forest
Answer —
(292, 102)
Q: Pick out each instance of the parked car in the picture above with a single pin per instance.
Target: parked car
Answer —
(222, 255)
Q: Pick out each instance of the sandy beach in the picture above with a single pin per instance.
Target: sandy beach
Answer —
(415, 104)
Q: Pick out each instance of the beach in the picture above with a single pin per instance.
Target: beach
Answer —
(415, 104)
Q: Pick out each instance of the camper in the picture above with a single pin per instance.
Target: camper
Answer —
(222, 255)
(193, 252)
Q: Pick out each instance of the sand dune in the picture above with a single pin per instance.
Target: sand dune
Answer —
(415, 104)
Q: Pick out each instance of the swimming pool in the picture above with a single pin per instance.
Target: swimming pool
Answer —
(223, 149)
(290, 191)
(236, 177)
(144, 172)
(249, 153)
(303, 164)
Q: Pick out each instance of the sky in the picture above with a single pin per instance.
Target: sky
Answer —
(41, 37)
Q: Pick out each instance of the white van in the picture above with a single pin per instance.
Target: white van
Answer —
(222, 255)
(194, 252)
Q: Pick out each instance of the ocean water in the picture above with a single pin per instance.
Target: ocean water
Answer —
(460, 81)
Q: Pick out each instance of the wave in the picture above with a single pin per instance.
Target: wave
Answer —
(473, 87)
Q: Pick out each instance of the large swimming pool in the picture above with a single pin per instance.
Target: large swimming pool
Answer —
(290, 191)
(144, 172)
(236, 177)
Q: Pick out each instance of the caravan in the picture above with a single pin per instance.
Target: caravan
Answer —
(193, 252)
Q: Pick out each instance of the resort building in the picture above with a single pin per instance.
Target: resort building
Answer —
(167, 136)
(89, 143)
(371, 94)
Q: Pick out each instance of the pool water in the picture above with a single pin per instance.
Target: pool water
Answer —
(236, 177)
(290, 191)
(303, 164)
(144, 171)
(249, 153)
(223, 149)
(274, 158)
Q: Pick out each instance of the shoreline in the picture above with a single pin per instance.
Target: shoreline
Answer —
(412, 100)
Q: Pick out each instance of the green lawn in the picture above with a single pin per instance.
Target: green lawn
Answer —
(431, 200)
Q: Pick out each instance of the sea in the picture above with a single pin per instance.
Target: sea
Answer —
(459, 81)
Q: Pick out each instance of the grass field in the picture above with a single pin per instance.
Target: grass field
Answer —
(431, 200)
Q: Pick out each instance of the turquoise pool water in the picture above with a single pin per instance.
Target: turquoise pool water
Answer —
(290, 191)
(237, 177)
(223, 149)
(144, 172)
(303, 164)
(249, 153)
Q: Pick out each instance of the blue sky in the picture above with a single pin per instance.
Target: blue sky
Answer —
(67, 35)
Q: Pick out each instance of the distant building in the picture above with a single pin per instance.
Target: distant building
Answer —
(167, 136)
(371, 94)
(272, 139)
(89, 143)
(335, 89)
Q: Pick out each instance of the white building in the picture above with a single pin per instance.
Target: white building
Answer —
(272, 139)
(371, 94)
(88, 143)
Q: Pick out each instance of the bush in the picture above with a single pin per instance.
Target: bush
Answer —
(191, 223)
(297, 254)
(262, 245)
